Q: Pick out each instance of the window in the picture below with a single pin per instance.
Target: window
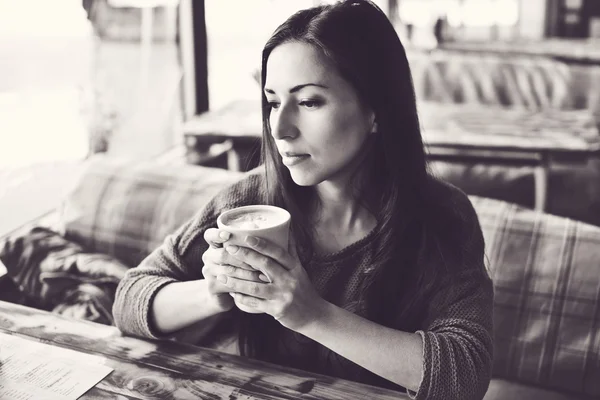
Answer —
(70, 82)
(237, 31)
(466, 19)
(45, 89)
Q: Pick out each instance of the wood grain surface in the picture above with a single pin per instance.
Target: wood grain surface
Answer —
(145, 369)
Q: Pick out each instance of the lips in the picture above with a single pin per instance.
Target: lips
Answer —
(291, 154)
(293, 158)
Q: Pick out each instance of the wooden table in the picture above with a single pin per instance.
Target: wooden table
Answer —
(169, 370)
(512, 136)
(454, 132)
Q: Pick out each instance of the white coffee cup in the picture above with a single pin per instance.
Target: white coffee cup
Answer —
(262, 221)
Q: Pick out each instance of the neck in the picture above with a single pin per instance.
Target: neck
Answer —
(339, 208)
(339, 205)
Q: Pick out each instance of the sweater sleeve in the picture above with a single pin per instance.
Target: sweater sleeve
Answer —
(178, 259)
(458, 332)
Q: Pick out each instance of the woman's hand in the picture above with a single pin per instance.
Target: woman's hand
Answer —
(218, 262)
(290, 298)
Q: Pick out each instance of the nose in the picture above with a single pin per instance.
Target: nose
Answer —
(283, 124)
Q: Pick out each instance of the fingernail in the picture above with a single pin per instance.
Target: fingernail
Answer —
(251, 240)
(222, 278)
(224, 235)
(231, 249)
(264, 278)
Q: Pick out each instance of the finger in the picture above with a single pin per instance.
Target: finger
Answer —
(216, 287)
(271, 268)
(216, 237)
(270, 249)
(220, 256)
(211, 271)
(254, 289)
(239, 273)
(249, 301)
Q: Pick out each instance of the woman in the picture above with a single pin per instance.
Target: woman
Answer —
(383, 281)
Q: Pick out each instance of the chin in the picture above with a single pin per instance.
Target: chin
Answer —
(304, 179)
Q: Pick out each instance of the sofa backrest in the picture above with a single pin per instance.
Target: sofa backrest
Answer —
(126, 208)
(546, 274)
(531, 82)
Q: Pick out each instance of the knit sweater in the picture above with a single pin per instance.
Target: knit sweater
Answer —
(454, 320)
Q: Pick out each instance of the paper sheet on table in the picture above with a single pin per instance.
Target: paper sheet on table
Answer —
(31, 370)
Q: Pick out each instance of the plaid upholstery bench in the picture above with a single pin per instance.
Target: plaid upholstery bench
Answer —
(126, 209)
(546, 274)
(546, 269)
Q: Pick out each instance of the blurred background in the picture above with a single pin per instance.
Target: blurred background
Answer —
(121, 119)
(140, 79)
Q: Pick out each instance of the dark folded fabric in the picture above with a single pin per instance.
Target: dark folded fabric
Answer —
(57, 274)
(92, 302)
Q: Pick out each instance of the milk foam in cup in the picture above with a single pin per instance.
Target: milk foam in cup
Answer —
(267, 222)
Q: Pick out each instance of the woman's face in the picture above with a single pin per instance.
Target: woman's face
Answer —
(315, 113)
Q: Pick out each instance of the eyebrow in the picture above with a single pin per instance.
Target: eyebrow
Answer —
(299, 87)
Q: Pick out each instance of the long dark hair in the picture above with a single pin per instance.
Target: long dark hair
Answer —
(364, 46)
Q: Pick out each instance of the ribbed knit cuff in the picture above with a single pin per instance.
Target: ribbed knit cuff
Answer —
(421, 393)
(152, 286)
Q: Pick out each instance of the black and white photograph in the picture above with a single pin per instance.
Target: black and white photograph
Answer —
(299, 199)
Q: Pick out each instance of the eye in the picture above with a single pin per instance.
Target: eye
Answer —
(310, 104)
(273, 104)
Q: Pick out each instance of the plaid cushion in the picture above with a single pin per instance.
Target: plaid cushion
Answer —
(546, 273)
(126, 208)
